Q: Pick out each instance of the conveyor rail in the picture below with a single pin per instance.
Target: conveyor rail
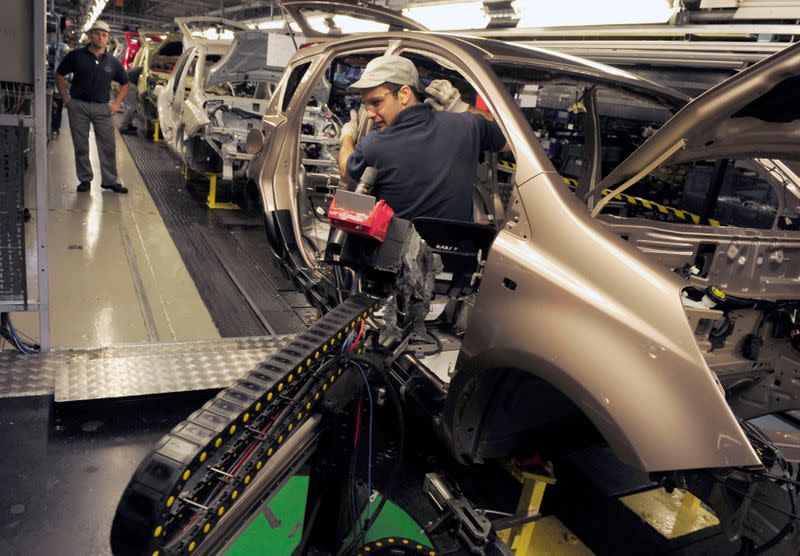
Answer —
(198, 471)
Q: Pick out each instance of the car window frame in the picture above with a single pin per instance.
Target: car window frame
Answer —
(179, 67)
(319, 63)
(289, 89)
(454, 64)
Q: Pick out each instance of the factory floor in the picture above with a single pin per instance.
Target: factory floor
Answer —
(115, 275)
(115, 278)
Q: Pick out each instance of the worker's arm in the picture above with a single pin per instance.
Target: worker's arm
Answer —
(346, 148)
(61, 83)
(347, 144)
(122, 92)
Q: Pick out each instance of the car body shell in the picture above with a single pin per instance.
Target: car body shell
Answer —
(180, 102)
(589, 313)
(208, 129)
(156, 57)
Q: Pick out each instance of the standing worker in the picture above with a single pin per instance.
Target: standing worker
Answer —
(93, 69)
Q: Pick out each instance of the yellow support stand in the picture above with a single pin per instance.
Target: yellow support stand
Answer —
(673, 514)
(211, 202)
(530, 501)
(155, 132)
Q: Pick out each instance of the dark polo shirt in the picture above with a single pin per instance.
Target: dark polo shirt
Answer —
(92, 74)
(426, 161)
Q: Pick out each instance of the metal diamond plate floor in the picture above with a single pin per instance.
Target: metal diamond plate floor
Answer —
(26, 375)
(134, 370)
(159, 369)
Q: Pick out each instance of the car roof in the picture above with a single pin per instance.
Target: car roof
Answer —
(497, 51)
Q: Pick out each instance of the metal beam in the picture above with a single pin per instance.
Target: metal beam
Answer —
(729, 55)
(733, 30)
(40, 167)
(135, 20)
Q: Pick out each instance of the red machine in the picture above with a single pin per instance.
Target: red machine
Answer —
(359, 214)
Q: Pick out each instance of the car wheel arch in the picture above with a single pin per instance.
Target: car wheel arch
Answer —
(495, 413)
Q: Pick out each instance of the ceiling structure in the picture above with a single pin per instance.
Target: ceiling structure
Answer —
(124, 15)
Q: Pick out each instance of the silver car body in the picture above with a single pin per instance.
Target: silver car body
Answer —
(567, 299)
(229, 85)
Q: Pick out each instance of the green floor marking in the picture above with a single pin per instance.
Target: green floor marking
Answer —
(393, 522)
(289, 508)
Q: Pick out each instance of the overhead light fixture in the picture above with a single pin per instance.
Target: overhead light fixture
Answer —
(275, 24)
(567, 13)
(444, 17)
(346, 24)
(93, 11)
(214, 33)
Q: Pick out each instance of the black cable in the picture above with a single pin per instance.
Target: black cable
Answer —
(747, 548)
(307, 527)
(401, 433)
(8, 332)
(753, 498)
(351, 472)
(778, 478)
(436, 341)
(31, 348)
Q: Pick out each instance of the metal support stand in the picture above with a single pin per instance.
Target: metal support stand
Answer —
(330, 500)
(530, 501)
(211, 202)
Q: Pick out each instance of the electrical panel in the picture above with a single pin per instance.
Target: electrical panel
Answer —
(12, 216)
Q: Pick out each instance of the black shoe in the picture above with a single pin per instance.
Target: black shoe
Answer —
(83, 187)
(128, 130)
(116, 188)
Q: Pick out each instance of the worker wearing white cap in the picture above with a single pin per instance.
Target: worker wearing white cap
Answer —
(426, 153)
(93, 69)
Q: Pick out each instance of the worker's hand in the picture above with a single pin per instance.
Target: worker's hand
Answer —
(443, 96)
(350, 129)
(114, 108)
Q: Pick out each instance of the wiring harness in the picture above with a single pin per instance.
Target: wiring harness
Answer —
(21, 343)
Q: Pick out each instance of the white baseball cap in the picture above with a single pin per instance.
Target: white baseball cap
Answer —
(101, 26)
(387, 69)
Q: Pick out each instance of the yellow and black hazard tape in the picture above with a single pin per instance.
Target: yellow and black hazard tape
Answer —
(390, 545)
(679, 214)
(684, 215)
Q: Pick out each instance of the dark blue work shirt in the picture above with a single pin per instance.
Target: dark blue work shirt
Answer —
(93, 75)
(426, 161)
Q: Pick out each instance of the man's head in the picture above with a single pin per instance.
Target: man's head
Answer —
(388, 85)
(98, 34)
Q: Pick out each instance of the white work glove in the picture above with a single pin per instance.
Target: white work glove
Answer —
(350, 129)
(443, 96)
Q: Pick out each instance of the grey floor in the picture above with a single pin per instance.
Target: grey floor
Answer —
(115, 275)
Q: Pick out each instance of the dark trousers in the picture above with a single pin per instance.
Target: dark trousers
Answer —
(55, 118)
(98, 114)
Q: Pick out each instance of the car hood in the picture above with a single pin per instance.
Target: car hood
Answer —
(301, 11)
(755, 113)
(253, 56)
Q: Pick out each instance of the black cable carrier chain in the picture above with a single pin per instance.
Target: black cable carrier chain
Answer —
(199, 469)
